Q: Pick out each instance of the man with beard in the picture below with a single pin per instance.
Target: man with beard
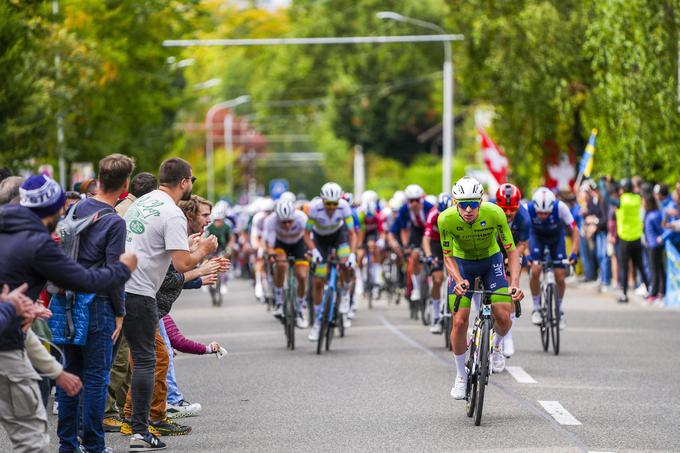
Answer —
(29, 255)
(157, 232)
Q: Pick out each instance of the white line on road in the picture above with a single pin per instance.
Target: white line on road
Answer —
(559, 413)
(520, 375)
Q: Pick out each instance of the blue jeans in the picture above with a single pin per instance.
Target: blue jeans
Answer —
(589, 267)
(603, 261)
(92, 364)
(174, 395)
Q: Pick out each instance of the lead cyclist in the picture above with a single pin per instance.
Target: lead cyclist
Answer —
(468, 234)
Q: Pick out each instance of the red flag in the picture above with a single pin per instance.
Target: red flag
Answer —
(560, 169)
(494, 157)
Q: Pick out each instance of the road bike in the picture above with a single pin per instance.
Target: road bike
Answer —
(550, 312)
(369, 284)
(329, 315)
(391, 277)
(290, 305)
(480, 346)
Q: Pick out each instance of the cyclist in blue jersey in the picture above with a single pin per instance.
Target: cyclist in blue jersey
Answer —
(410, 228)
(549, 219)
(508, 198)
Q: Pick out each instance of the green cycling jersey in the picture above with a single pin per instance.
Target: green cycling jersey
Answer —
(478, 240)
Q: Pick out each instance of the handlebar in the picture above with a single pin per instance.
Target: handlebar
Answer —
(518, 306)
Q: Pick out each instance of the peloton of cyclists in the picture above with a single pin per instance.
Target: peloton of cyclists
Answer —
(265, 207)
(371, 239)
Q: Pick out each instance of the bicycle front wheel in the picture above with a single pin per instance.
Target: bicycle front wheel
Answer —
(555, 325)
(483, 374)
(472, 366)
(324, 327)
(545, 317)
(291, 315)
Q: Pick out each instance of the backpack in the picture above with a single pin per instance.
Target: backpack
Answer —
(70, 309)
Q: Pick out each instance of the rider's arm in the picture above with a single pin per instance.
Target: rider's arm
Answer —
(568, 219)
(426, 246)
(349, 223)
(452, 269)
(309, 242)
(404, 236)
(514, 267)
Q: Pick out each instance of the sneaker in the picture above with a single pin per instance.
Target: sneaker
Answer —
(167, 427)
(346, 321)
(352, 313)
(278, 311)
(182, 409)
(436, 327)
(126, 428)
(604, 289)
(623, 299)
(146, 442)
(508, 347)
(650, 300)
(375, 293)
(112, 424)
(223, 289)
(344, 303)
(498, 359)
(459, 387)
(415, 294)
(641, 291)
(314, 333)
(536, 317)
(563, 323)
(301, 321)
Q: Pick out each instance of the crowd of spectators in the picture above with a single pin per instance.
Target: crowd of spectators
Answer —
(625, 228)
(109, 258)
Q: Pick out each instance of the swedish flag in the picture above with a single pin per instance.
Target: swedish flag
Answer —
(586, 165)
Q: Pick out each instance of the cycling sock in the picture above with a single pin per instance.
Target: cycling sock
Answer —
(460, 364)
(414, 283)
(344, 289)
(302, 303)
(559, 304)
(509, 334)
(537, 302)
(278, 295)
(436, 306)
(376, 268)
(497, 339)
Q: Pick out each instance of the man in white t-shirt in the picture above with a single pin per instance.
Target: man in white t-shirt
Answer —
(157, 233)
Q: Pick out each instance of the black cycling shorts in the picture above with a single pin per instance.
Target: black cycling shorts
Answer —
(296, 250)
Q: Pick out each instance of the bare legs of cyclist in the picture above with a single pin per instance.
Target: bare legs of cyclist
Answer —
(280, 273)
(437, 279)
(413, 270)
(535, 284)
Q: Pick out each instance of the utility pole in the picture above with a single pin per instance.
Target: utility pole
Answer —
(60, 116)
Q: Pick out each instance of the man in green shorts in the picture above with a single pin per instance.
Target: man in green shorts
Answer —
(470, 233)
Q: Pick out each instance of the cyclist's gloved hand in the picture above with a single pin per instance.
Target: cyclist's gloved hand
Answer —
(352, 260)
(316, 256)
(429, 260)
(573, 258)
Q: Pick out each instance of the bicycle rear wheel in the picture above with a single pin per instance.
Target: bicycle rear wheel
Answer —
(324, 327)
(545, 318)
(555, 325)
(447, 320)
(483, 374)
(330, 326)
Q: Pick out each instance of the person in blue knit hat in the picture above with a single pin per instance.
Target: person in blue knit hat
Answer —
(29, 255)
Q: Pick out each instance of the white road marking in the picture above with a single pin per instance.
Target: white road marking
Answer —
(559, 413)
(520, 375)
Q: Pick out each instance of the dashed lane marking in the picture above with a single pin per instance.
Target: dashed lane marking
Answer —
(520, 375)
(559, 413)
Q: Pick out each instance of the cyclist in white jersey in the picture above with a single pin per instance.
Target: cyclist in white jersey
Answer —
(330, 226)
(284, 235)
(266, 206)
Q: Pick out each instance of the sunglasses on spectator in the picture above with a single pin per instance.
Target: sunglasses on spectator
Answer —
(192, 178)
(468, 204)
(330, 203)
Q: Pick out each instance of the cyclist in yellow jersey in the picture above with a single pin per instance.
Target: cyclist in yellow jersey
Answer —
(469, 235)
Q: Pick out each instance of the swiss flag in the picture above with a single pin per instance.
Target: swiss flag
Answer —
(494, 157)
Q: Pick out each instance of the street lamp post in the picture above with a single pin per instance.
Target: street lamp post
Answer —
(228, 139)
(447, 120)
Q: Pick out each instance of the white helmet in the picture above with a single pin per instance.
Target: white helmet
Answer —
(369, 195)
(288, 195)
(331, 192)
(285, 210)
(219, 211)
(467, 188)
(267, 204)
(544, 199)
(432, 199)
(414, 191)
(398, 199)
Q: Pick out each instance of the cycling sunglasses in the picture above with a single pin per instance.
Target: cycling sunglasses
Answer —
(414, 200)
(330, 203)
(469, 204)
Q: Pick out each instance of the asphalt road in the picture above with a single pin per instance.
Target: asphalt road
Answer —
(385, 386)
